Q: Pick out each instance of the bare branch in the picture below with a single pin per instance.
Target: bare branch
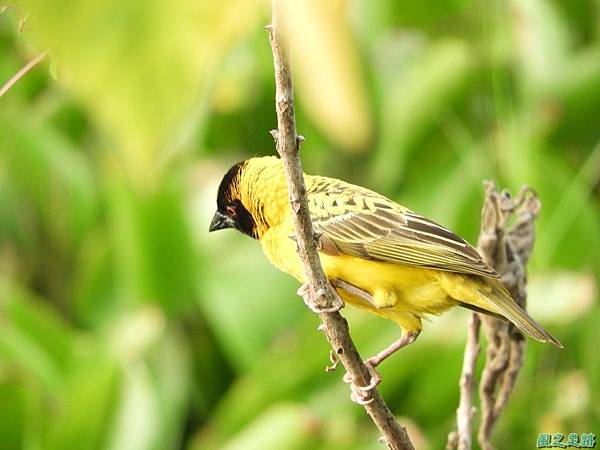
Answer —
(320, 292)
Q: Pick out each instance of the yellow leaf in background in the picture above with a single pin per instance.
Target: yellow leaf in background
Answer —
(136, 66)
(134, 333)
(327, 68)
(561, 297)
(572, 394)
(543, 40)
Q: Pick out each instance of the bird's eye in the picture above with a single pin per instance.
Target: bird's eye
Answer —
(231, 211)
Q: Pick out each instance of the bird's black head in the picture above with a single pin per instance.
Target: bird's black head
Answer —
(231, 213)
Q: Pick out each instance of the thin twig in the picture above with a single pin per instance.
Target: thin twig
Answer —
(17, 76)
(20, 14)
(466, 411)
(334, 325)
(497, 358)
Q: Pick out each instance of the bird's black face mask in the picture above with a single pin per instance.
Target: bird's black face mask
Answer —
(231, 213)
(234, 215)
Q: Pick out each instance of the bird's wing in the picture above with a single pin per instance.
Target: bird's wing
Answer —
(362, 223)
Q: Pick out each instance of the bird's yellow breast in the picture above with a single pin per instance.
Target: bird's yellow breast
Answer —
(400, 293)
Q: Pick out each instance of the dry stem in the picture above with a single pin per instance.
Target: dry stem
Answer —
(334, 325)
(461, 438)
(507, 249)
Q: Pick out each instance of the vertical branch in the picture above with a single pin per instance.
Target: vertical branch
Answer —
(461, 438)
(507, 249)
(334, 325)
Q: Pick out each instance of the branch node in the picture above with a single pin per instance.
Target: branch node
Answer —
(334, 362)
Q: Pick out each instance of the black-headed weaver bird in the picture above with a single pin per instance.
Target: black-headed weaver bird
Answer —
(378, 255)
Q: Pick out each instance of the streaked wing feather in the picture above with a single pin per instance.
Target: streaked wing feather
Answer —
(365, 224)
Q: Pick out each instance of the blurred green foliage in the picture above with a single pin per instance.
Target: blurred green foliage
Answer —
(123, 325)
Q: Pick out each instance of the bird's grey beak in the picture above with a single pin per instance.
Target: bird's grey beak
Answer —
(220, 221)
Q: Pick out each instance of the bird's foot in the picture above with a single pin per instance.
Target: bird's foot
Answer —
(353, 290)
(362, 395)
(338, 303)
(304, 292)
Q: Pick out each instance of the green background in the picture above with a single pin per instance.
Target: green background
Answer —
(125, 325)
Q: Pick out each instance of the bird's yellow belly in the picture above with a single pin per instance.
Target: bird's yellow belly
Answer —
(400, 293)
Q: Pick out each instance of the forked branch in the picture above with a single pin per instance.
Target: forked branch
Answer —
(506, 248)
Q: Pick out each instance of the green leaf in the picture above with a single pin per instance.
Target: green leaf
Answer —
(413, 101)
(82, 418)
(153, 247)
(34, 337)
(51, 180)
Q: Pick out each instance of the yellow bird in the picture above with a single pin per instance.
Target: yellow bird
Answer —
(378, 255)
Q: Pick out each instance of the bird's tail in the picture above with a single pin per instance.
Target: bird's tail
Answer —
(507, 307)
